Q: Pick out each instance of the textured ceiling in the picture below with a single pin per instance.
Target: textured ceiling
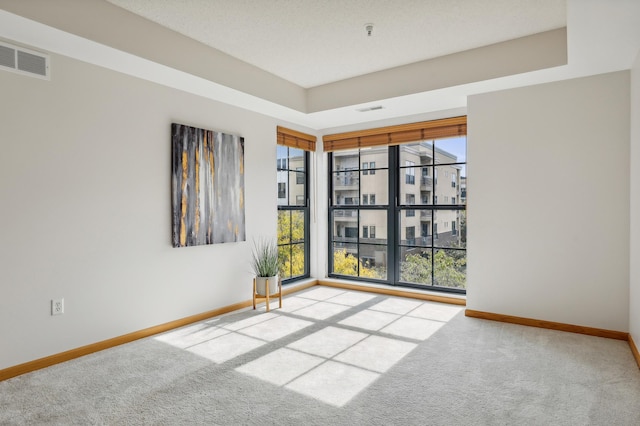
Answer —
(314, 42)
(596, 37)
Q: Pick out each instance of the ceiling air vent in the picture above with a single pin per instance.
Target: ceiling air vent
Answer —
(24, 61)
(372, 108)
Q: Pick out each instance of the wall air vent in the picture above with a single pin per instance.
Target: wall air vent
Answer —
(24, 61)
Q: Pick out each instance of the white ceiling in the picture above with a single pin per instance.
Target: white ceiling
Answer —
(314, 42)
(328, 41)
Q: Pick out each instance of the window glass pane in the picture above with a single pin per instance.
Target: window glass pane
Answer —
(447, 184)
(377, 186)
(415, 265)
(284, 227)
(451, 150)
(426, 186)
(282, 188)
(297, 195)
(373, 261)
(376, 223)
(296, 158)
(452, 228)
(419, 222)
(376, 157)
(410, 187)
(419, 153)
(345, 160)
(297, 226)
(282, 154)
(450, 268)
(291, 225)
(365, 168)
(344, 221)
(345, 261)
(345, 188)
(284, 256)
(297, 260)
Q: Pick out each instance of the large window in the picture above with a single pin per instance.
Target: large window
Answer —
(293, 202)
(414, 234)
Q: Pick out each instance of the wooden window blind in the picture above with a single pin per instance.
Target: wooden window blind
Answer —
(295, 139)
(394, 135)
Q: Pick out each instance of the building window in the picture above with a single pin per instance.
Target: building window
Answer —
(282, 190)
(410, 200)
(300, 175)
(414, 241)
(410, 234)
(410, 173)
(365, 168)
(424, 229)
(282, 164)
(351, 232)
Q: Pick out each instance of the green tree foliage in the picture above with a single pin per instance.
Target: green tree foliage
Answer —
(291, 230)
(416, 269)
(347, 264)
(450, 268)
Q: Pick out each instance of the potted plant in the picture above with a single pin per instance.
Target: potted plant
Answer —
(266, 265)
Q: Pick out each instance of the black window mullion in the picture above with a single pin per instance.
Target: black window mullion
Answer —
(393, 215)
(331, 214)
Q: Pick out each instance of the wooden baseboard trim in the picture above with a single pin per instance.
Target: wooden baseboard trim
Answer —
(394, 292)
(634, 350)
(48, 361)
(611, 334)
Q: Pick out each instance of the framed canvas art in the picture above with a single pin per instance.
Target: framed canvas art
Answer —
(207, 180)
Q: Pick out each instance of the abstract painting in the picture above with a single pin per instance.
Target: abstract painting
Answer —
(207, 186)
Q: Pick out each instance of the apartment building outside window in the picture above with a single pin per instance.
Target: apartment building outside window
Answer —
(418, 240)
(293, 203)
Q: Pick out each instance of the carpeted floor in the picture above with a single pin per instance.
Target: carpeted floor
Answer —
(337, 357)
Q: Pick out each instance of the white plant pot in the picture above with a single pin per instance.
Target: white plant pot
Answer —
(261, 285)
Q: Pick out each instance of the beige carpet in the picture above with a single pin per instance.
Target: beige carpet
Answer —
(333, 357)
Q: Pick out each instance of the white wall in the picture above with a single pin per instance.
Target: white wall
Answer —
(634, 282)
(548, 202)
(86, 212)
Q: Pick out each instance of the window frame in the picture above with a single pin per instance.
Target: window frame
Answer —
(291, 139)
(399, 172)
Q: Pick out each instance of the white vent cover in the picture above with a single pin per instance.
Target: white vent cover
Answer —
(24, 61)
(371, 108)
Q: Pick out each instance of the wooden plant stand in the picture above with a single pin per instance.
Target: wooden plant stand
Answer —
(267, 297)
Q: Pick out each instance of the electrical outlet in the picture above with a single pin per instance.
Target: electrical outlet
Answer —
(57, 307)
